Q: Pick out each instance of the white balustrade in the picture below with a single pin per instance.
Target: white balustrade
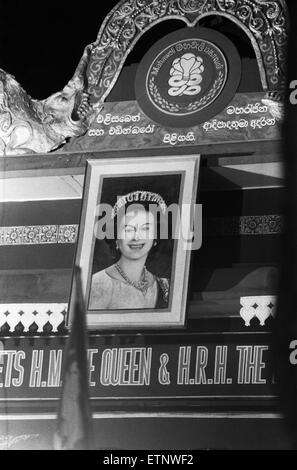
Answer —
(28, 314)
(261, 307)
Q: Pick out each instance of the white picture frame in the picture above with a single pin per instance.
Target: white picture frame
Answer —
(177, 178)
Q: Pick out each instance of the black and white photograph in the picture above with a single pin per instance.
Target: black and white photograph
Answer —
(133, 253)
(148, 228)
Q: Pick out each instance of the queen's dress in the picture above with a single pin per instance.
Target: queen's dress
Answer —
(108, 292)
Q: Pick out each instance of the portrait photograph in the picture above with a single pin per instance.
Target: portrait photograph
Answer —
(134, 242)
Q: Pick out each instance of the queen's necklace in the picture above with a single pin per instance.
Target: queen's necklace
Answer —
(140, 285)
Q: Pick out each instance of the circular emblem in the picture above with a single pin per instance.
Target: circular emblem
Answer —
(187, 77)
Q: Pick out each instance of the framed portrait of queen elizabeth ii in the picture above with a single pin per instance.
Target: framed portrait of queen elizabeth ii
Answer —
(135, 240)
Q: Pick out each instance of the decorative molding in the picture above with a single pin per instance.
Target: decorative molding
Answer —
(244, 225)
(39, 126)
(37, 318)
(261, 307)
(213, 227)
(38, 234)
(265, 22)
(49, 318)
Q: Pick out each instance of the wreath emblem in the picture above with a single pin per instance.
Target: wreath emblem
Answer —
(186, 75)
(176, 108)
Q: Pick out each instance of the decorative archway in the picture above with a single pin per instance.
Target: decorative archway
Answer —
(265, 22)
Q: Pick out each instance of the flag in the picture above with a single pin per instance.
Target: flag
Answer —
(285, 327)
(74, 419)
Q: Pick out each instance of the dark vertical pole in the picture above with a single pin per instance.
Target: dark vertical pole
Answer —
(285, 329)
(74, 419)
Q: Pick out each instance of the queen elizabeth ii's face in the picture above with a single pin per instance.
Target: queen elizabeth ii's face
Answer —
(136, 231)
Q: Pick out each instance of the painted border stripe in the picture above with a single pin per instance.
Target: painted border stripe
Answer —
(124, 415)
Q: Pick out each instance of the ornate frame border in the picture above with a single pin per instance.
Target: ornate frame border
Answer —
(264, 21)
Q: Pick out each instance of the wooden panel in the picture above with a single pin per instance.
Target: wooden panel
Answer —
(242, 203)
(207, 285)
(74, 162)
(56, 256)
(123, 125)
(232, 179)
(233, 282)
(144, 431)
(35, 286)
(40, 212)
(232, 253)
(215, 175)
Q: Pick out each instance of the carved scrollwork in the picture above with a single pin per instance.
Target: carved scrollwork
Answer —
(39, 126)
(264, 21)
(192, 6)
